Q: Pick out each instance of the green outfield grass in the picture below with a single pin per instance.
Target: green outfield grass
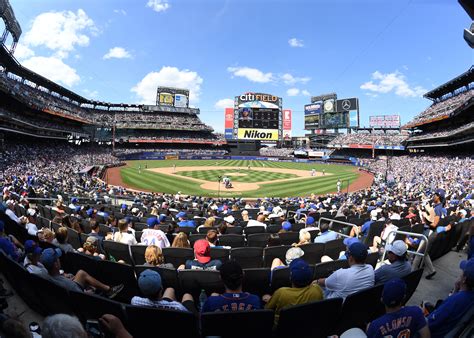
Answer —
(153, 181)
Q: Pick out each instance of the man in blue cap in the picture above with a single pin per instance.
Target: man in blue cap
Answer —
(32, 258)
(151, 287)
(79, 282)
(301, 291)
(399, 320)
(153, 235)
(357, 277)
(452, 309)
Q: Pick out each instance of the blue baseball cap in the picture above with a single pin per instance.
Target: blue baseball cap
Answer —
(441, 193)
(90, 212)
(74, 200)
(149, 282)
(393, 292)
(309, 220)
(181, 214)
(49, 257)
(358, 251)
(2, 226)
(31, 247)
(123, 206)
(350, 240)
(77, 208)
(286, 225)
(152, 221)
(162, 218)
(300, 272)
(467, 266)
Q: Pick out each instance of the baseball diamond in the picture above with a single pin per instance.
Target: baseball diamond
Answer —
(264, 178)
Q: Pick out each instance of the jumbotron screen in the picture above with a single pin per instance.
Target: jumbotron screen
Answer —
(261, 118)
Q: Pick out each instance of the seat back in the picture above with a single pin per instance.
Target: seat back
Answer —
(118, 251)
(194, 237)
(356, 312)
(249, 257)
(75, 261)
(334, 247)
(232, 240)
(138, 254)
(168, 322)
(280, 278)
(254, 230)
(313, 252)
(53, 297)
(273, 252)
(112, 273)
(315, 319)
(90, 306)
(375, 229)
(235, 230)
(256, 281)
(372, 259)
(255, 323)
(193, 281)
(73, 238)
(221, 254)
(177, 256)
(258, 240)
(288, 238)
(412, 280)
(324, 270)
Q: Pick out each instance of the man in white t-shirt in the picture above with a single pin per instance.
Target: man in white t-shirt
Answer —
(357, 277)
(153, 235)
(258, 222)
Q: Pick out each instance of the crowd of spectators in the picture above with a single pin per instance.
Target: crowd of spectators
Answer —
(277, 152)
(442, 133)
(380, 139)
(174, 151)
(442, 108)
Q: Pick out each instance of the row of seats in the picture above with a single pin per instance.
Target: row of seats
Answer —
(316, 319)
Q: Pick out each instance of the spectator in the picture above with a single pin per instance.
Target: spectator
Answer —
(32, 262)
(325, 235)
(212, 238)
(399, 265)
(62, 326)
(291, 255)
(301, 291)
(357, 277)
(233, 299)
(150, 285)
(202, 261)
(91, 247)
(452, 309)
(153, 235)
(154, 257)
(123, 235)
(79, 282)
(181, 241)
(304, 238)
(8, 244)
(61, 240)
(399, 320)
(10, 211)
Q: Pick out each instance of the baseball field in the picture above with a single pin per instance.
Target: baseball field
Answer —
(250, 179)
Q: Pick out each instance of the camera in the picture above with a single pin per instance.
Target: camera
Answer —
(93, 329)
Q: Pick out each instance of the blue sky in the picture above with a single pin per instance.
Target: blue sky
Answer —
(387, 53)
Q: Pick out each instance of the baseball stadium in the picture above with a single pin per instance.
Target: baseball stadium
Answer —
(139, 198)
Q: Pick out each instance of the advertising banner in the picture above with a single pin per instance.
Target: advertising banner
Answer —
(311, 121)
(313, 108)
(361, 146)
(258, 134)
(286, 119)
(384, 121)
(165, 99)
(229, 118)
(347, 104)
(228, 134)
(180, 100)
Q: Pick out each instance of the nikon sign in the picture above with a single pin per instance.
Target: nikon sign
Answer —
(258, 134)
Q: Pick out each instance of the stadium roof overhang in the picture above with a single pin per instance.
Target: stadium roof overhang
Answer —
(462, 80)
(12, 65)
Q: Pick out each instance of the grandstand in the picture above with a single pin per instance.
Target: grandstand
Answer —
(448, 122)
(77, 253)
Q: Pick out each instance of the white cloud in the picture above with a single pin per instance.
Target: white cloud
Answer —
(117, 53)
(385, 83)
(23, 52)
(54, 69)
(158, 5)
(291, 80)
(120, 11)
(251, 74)
(60, 31)
(293, 92)
(90, 94)
(224, 103)
(294, 42)
(169, 77)
(305, 92)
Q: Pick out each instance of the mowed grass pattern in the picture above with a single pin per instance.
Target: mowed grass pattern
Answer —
(249, 176)
(154, 181)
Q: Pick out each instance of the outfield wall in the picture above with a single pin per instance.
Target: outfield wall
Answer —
(158, 156)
